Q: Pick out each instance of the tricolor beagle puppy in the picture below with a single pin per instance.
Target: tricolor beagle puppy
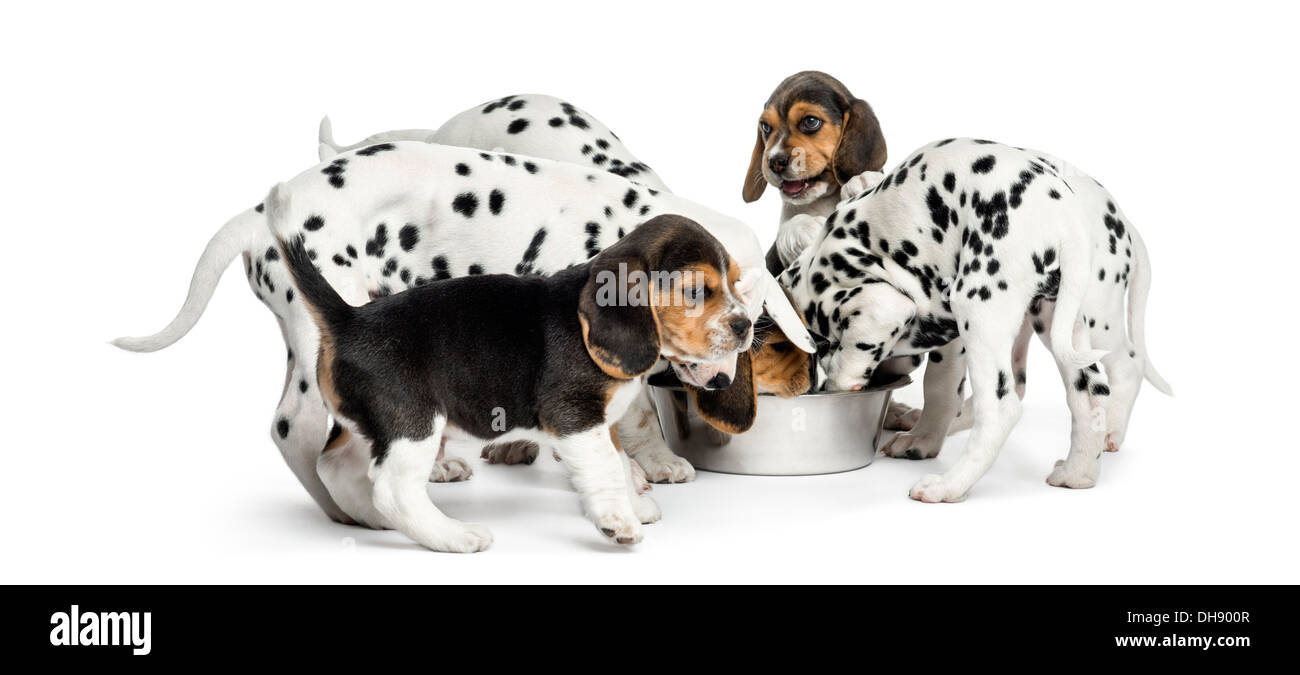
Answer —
(818, 144)
(813, 137)
(544, 126)
(554, 360)
(397, 216)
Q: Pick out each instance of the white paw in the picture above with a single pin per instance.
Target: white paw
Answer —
(618, 528)
(450, 470)
(794, 235)
(1113, 441)
(647, 511)
(906, 445)
(471, 538)
(901, 416)
(1064, 475)
(639, 482)
(515, 452)
(860, 184)
(666, 468)
(932, 489)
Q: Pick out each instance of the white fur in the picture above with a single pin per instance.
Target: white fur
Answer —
(1059, 221)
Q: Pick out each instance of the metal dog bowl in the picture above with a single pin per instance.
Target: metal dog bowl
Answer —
(800, 436)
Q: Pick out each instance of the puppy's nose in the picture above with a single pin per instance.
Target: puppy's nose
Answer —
(719, 381)
(778, 163)
(740, 327)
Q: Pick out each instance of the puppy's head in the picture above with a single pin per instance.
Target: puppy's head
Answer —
(666, 289)
(813, 136)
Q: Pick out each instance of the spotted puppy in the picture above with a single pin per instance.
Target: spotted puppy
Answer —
(953, 254)
(548, 127)
(416, 214)
(555, 360)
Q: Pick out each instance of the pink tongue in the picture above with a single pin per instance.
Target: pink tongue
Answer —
(791, 187)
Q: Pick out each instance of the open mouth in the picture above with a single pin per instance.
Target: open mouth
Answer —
(794, 188)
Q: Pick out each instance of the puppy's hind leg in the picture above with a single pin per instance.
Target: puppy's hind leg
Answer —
(400, 474)
(1087, 392)
(603, 482)
(343, 467)
(989, 334)
(301, 428)
(1019, 364)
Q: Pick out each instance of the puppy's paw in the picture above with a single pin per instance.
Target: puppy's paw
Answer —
(901, 416)
(1113, 441)
(666, 467)
(933, 488)
(647, 511)
(450, 470)
(1068, 476)
(795, 234)
(618, 528)
(471, 538)
(639, 482)
(913, 446)
(860, 183)
(515, 452)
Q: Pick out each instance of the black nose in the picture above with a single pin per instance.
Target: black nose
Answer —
(719, 381)
(778, 163)
(740, 326)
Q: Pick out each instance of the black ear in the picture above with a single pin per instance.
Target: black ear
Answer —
(619, 326)
(755, 184)
(862, 144)
(732, 409)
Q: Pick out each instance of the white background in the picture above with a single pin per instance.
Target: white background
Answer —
(135, 129)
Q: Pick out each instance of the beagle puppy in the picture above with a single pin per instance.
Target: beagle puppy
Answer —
(554, 360)
(551, 128)
(812, 138)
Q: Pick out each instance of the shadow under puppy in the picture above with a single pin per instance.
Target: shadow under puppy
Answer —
(554, 360)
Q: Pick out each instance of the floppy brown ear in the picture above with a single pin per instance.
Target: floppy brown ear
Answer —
(732, 409)
(862, 144)
(754, 181)
(619, 325)
(779, 366)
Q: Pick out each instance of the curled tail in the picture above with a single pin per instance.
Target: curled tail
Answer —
(1137, 310)
(1076, 265)
(326, 306)
(234, 237)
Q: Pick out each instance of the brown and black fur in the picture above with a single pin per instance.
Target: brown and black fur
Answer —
(535, 352)
(848, 143)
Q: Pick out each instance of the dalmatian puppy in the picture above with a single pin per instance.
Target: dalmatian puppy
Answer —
(958, 249)
(525, 124)
(550, 128)
(546, 216)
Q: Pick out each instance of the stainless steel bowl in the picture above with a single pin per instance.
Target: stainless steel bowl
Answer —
(801, 436)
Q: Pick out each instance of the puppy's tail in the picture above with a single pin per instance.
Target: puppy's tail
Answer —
(326, 306)
(1137, 311)
(325, 145)
(1076, 263)
(235, 236)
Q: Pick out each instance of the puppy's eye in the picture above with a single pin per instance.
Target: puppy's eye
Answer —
(809, 124)
(694, 294)
(765, 128)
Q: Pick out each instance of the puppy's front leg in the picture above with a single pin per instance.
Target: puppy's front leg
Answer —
(602, 479)
(640, 437)
(943, 385)
(647, 511)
